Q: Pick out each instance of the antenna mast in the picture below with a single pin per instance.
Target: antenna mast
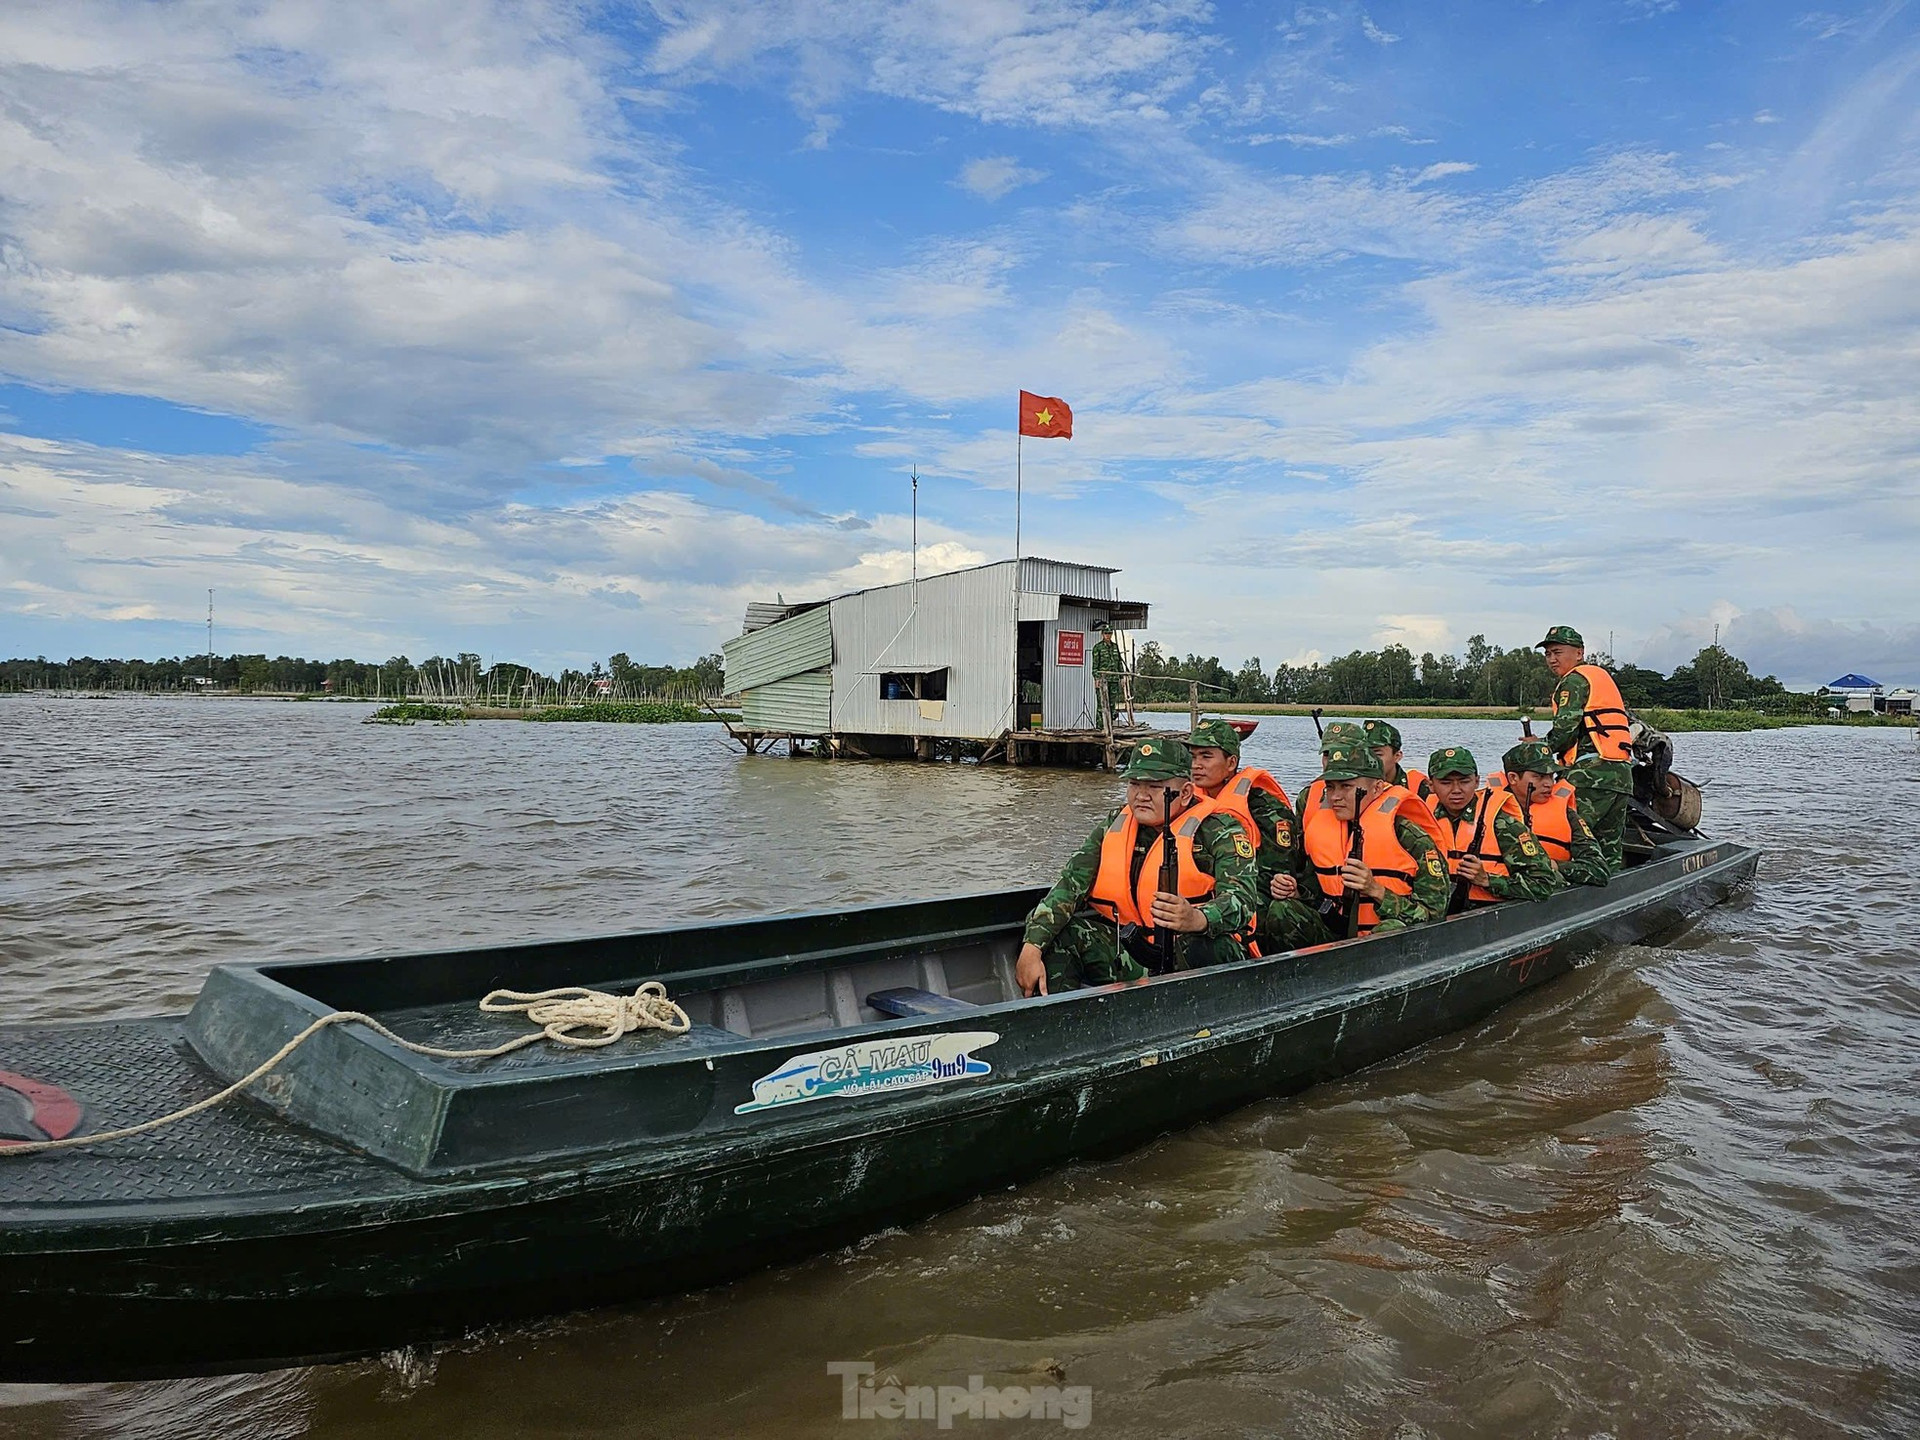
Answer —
(916, 524)
(209, 639)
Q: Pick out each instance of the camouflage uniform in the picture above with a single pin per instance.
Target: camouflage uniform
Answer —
(1379, 733)
(1588, 863)
(1604, 786)
(1531, 873)
(1082, 947)
(1283, 924)
(1431, 886)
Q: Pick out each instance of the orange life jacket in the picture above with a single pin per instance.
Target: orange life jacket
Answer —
(1328, 842)
(1551, 819)
(1234, 796)
(1605, 718)
(1461, 839)
(1115, 893)
(1419, 784)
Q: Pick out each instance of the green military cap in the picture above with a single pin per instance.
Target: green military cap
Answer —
(1217, 734)
(1351, 762)
(1453, 760)
(1381, 733)
(1561, 635)
(1159, 760)
(1529, 755)
(1342, 732)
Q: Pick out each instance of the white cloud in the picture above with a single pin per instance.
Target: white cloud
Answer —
(1374, 33)
(995, 176)
(1049, 63)
(1443, 169)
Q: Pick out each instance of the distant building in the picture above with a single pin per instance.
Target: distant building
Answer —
(1900, 702)
(600, 685)
(1857, 693)
(993, 653)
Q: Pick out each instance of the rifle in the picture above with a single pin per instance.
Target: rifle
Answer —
(1526, 726)
(1318, 728)
(1457, 902)
(1355, 850)
(1169, 882)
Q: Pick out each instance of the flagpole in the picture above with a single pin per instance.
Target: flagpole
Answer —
(1018, 476)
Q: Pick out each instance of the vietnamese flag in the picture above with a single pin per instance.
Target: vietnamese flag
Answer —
(1045, 418)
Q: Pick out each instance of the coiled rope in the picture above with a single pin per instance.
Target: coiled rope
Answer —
(573, 1016)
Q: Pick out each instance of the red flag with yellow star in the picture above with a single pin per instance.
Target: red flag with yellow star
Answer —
(1045, 418)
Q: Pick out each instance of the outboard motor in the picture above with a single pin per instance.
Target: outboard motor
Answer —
(1666, 805)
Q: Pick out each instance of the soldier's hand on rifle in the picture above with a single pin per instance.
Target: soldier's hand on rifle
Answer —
(1178, 913)
(1283, 887)
(1030, 971)
(1358, 879)
(1471, 870)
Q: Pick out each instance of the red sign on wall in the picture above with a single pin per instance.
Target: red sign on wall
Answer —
(1073, 647)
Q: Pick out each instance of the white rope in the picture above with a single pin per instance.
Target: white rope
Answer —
(561, 1014)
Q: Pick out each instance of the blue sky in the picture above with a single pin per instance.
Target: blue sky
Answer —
(553, 331)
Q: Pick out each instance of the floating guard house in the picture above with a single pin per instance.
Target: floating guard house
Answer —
(996, 660)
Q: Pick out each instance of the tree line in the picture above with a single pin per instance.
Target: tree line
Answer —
(463, 676)
(1485, 674)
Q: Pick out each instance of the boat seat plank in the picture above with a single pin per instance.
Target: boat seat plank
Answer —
(908, 1000)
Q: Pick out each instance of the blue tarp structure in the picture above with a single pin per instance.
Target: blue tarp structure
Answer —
(1853, 682)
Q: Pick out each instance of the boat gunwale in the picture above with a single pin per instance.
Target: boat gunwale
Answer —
(542, 1177)
(613, 1058)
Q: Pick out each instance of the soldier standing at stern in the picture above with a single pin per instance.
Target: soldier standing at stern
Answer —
(1101, 922)
(1589, 736)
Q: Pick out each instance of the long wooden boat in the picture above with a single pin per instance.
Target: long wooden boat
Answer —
(846, 1072)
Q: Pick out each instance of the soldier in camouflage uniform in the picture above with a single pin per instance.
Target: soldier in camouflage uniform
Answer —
(1604, 786)
(1067, 944)
(1352, 777)
(1292, 909)
(1384, 740)
(1530, 775)
(1285, 924)
(1531, 873)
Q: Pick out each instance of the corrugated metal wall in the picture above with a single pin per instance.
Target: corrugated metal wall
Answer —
(797, 705)
(803, 642)
(1067, 690)
(964, 621)
(1051, 577)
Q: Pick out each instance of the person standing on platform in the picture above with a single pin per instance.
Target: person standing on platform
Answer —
(1590, 738)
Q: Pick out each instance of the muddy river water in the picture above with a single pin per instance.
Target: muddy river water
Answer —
(1675, 1193)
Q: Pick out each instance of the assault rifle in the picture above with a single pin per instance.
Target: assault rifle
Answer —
(1169, 882)
(1355, 850)
(1318, 728)
(1458, 901)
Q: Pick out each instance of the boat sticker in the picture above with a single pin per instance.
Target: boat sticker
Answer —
(870, 1067)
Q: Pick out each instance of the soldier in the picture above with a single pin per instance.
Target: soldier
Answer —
(1398, 876)
(1385, 742)
(1339, 733)
(1098, 923)
(1493, 856)
(1255, 799)
(1553, 814)
(1590, 739)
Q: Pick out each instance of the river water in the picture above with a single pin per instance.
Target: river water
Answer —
(1675, 1193)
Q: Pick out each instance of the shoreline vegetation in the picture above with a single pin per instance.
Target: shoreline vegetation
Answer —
(1673, 722)
(602, 712)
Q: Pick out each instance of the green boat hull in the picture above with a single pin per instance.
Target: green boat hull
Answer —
(250, 1237)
